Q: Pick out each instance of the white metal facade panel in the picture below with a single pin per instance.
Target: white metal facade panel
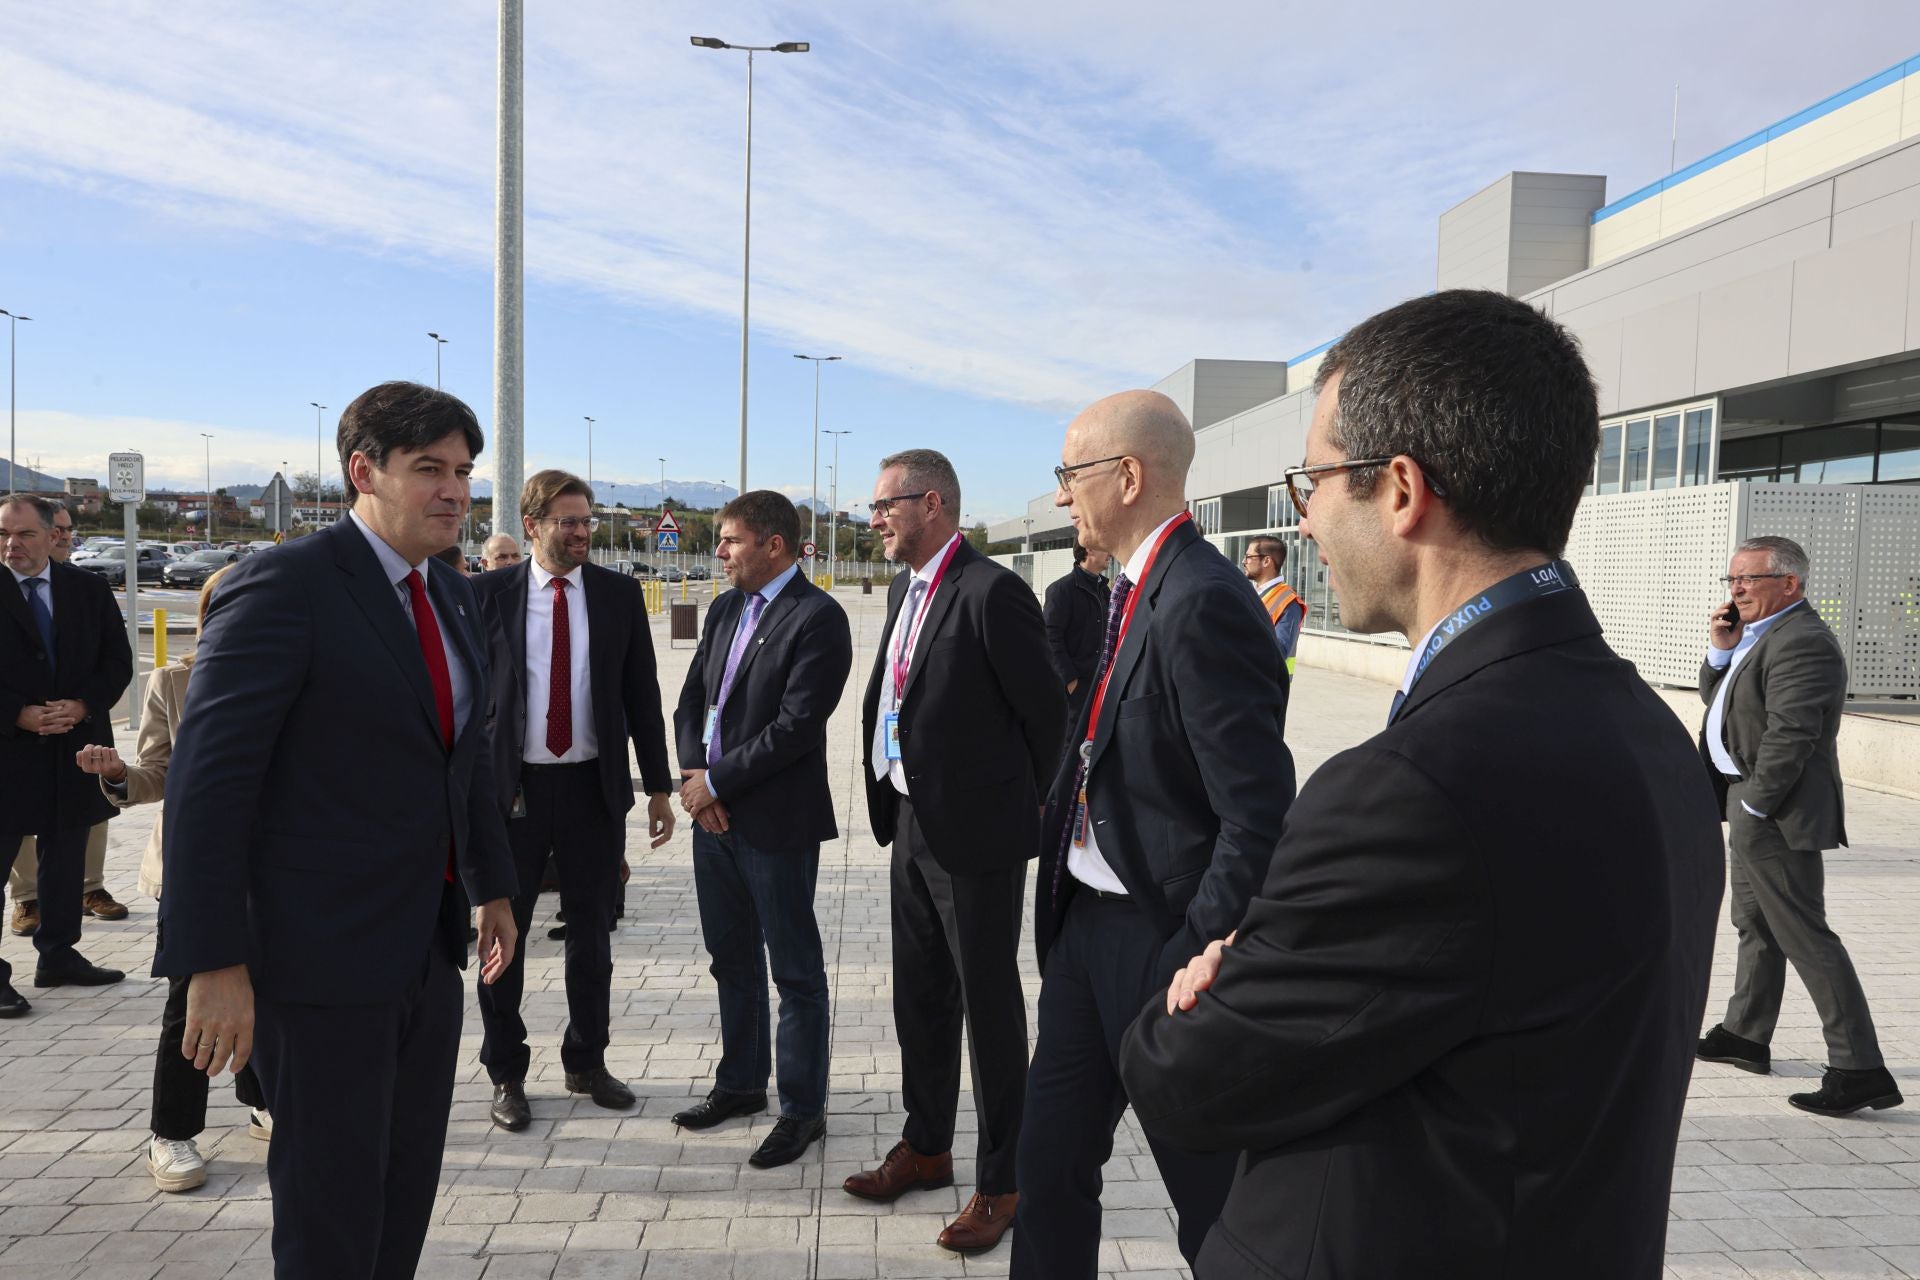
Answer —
(1886, 615)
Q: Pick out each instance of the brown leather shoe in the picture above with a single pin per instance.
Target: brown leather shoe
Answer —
(26, 918)
(101, 906)
(902, 1171)
(981, 1224)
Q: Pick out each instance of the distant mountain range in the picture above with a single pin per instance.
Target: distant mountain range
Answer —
(27, 480)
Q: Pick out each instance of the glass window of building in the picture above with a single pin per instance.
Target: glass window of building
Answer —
(1899, 452)
(1696, 448)
(1609, 477)
(1639, 451)
(1831, 455)
(1750, 458)
(1666, 451)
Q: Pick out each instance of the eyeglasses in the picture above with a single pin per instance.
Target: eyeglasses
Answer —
(573, 524)
(1300, 480)
(1748, 579)
(1065, 476)
(883, 507)
(1255, 555)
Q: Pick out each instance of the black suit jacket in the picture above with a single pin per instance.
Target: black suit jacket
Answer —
(1455, 1032)
(772, 772)
(44, 789)
(1076, 616)
(310, 801)
(980, 719)
(1191, 778)
(620, 670)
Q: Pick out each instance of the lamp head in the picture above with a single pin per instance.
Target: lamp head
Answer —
(708, 42)
(792, 46)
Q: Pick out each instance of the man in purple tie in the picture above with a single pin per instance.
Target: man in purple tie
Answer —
(751, 729)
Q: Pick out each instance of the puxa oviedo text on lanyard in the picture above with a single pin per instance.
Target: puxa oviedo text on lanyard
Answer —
(1529, 584)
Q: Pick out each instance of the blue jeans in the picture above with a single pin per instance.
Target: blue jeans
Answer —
(757, 905)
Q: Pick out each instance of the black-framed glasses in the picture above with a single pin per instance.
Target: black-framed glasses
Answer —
(1301, 482)
(573, 524)
(883, 507)
(1064, 476)
(1748, 579)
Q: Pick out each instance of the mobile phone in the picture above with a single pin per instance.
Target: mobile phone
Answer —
(1731, 615)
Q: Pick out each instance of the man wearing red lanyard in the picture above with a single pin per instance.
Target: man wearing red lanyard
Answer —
(962, 720)
(1163, 815)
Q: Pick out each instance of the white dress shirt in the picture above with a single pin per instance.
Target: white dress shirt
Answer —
(396, 568)
(540, 666)
(767, 593)
(1084, 862)
(1730, 659)
(894, 770)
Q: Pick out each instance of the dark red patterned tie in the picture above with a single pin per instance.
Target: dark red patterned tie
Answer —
(560, 677)
(427, 628)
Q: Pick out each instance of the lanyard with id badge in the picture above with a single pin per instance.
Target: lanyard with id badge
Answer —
(907, 634)
(1100, 690)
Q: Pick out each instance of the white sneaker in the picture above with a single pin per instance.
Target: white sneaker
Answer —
(176, 1164)
(260, 1124)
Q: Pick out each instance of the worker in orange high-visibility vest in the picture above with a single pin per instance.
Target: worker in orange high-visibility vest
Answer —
(1263, 563)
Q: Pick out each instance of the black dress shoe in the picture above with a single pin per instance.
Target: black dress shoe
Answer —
(510, 1110)
(1842, 1093)
(70, 969)
(789, 1141)
(720, 1105)
(12, 1003)
(602, 1087)
(1721, 1045)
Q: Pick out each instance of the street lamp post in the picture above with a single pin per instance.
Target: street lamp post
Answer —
(318, 411)
(208, 437)
(1028, 545)
(833, 503)
(438, 342)
(589, 451)
(813, 498)
(13, 436)
(746, 242)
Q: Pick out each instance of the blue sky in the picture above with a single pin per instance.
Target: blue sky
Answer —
(220, 211)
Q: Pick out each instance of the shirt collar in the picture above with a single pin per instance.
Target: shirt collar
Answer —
(1137, 562)
(926, 571)
(392, 562)
(45, 575)
(779, 583)
(541, 578)
(1760, 626)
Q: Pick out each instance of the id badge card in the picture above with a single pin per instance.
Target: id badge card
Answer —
(706, 733)
(893, 735)
(519, 808)
(1080, 818)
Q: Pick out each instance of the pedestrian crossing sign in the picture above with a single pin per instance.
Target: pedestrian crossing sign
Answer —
(669, 539)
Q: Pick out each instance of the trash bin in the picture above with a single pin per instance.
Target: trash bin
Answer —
(683, 622)
(866, 586)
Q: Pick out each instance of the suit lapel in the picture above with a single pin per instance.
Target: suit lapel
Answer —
(937, 610)
(721, 625)
(782, 608)
(368, 587)
(1751, 661)
(1135, 641)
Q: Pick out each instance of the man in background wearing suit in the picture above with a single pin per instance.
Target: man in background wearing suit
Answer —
(1775, 683)
(752, 734)
(328, 801)
(64, 662)
(1076, 616)
(1159, 825)
(961, 721)
(1453, 1031)
(573, 681)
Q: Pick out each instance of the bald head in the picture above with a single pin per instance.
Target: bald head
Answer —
(500, 551)
(1127, 458)
(1144, 425)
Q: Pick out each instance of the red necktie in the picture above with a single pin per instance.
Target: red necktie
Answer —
(428, 629)
(560, 677)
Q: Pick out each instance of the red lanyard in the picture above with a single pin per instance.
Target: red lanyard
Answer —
(907, 630)
(1126, 620)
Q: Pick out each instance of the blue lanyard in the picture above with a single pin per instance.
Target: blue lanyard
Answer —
(1529, 584)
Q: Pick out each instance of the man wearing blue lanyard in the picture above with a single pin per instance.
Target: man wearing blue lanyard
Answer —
(1453, 1031)
(962, 720)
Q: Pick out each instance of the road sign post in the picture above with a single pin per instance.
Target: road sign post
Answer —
(127, 485)
(667, 532)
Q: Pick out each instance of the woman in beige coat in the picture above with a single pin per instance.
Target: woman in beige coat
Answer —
(179, 1091)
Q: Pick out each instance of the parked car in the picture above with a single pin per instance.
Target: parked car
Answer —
(672, 574)
(262, 544)
(699, 573)
(181, 550)
(632, 568)
(112, 565)
(194, 568)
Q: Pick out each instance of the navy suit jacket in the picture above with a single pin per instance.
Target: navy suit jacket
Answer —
(311, 802)
(92, 662)
(772, 772)
(620, 669)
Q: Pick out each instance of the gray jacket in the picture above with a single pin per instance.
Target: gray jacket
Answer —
(1781, 723)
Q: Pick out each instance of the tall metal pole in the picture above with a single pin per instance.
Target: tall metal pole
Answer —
(746, 275)
(13, 432)
(207, 436)
(813, 518)
(589, 452)
(438, 342)
(319, 410)
(509, 393)
(833, 505)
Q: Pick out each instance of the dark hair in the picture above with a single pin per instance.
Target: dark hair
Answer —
(542, 487)
(401, 415)
(766, 514)
(1272, 548)
(1079, 552)
(1488, 395)
(38, 505)
(454, 556)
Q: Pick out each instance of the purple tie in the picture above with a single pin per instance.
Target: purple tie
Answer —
(1116, 609)
(755, 603)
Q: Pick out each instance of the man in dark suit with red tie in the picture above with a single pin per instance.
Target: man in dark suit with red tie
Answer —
(752, 733)
(573, 683)
(961, 723)
(1159, 824)
(330, 814)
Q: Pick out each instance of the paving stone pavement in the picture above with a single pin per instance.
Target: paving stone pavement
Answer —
(1760, 1190)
